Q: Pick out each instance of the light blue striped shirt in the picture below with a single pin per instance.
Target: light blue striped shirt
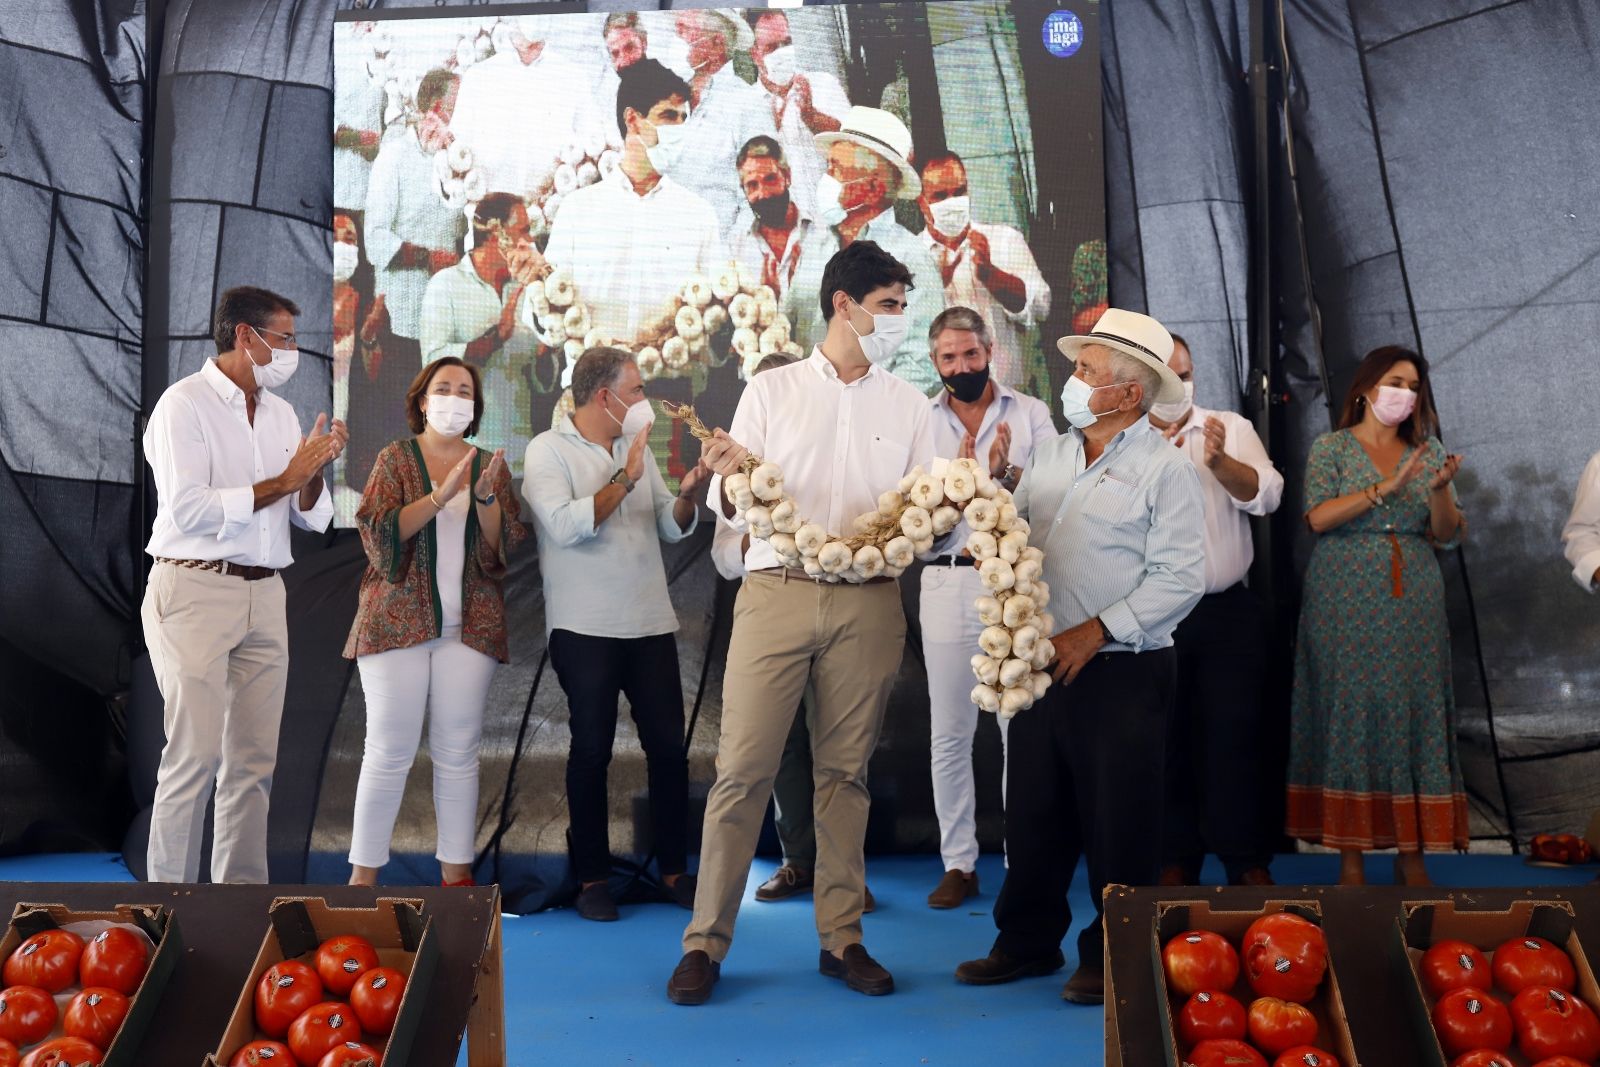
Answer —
(1123, 538)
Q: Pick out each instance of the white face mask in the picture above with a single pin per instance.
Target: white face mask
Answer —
(830, 212)
(1075, 402)
(952, 216)
(1176, 410)
(346, 258)
(782, 64)
(888, 334)
(668, 149)
(636, 418)
(449, 415)
(274, 374)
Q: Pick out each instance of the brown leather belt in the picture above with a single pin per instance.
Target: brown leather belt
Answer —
(795, 572)
(220, 566)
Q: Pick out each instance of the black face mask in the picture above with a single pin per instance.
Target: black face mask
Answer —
(966, 386)
(772, 211)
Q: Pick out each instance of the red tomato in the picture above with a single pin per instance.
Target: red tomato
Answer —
(376, 999)
(9, 1056)
(96, 1015)
(64, 1052)
(1467, 1019)
(1200, 960)
(47, 960)
(323, 1027)
(1525, 961)
(273, 1053)
(1453, 965)
(1482, 1057)
(27, 1014)
(1279, 1025)
(1209, 1015)
(1554, 1023)
(116, 959)
(351, 1054)
(343, 959)
(1306, 1056)
(1285, 956)
(286, 990)
(1224, 1053)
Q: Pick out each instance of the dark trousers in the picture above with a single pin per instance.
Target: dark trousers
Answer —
(1084, 779)
(592, 672)
(1215, 746)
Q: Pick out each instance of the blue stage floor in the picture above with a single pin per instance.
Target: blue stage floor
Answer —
(594, 993)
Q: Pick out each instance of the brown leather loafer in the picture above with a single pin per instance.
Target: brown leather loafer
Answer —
(1086, 986)
(693, 978)
(860, 971)
(954, 888)
(998, 968)
(786, 881)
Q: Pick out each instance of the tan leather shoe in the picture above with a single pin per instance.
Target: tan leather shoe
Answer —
(954, 888)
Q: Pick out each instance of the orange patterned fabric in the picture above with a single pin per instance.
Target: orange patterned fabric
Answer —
(1341, 819)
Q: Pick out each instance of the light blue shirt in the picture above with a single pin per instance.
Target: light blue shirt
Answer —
(606, 580)
(1123, 537)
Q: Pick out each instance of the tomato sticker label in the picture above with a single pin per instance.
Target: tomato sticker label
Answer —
(351, 965)
(285, 981)
(380, 982)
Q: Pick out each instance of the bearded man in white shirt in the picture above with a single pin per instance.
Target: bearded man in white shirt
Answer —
(842, 430)
(1214, 759)
(803, 104)
(1581, 535)
(232, 471)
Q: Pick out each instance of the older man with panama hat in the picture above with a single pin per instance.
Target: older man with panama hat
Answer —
(1119, 515)
(868, 169)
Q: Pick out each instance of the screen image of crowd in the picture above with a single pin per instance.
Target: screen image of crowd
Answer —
(515, 190)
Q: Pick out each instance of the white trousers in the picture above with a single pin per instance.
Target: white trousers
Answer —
(950, 629)
(220, 650)
(448, 682)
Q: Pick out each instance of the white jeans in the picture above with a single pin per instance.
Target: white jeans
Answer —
(950, 629)
(451, 680)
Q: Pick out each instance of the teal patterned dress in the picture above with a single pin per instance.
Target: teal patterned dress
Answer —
(1372, 759)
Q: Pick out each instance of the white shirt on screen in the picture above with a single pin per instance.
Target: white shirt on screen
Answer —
(730, 112)
(839, 445)
(630, 255)
(1030, 424)
(1009, 251)
(403, 208)
(359, 105)
(207, 457)
(749, 247)
(516, 117)
(806, 162)
(1229, 551)
(1582, 532)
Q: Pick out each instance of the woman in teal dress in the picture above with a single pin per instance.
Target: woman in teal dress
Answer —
(1373, 756)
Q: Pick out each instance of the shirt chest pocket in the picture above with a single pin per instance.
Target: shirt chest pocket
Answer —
(886, 462)
(1113, 501)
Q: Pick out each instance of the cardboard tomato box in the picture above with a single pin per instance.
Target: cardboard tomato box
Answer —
(1180, 916)
(397, 929)
(1420, 925)
(153, 920)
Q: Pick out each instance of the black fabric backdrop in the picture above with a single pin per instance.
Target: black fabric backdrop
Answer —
(1441, 195)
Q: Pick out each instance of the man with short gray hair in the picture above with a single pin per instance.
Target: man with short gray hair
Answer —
(608, 617)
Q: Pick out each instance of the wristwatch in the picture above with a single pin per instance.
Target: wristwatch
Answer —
(484, 500)
(1011, 473)
(1105, 631)
(621, 478)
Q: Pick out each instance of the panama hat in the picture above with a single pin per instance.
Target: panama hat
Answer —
(744, 37)
(884, 134)
(1136, 335)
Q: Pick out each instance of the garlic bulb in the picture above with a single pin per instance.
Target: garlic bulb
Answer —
(1017, 611)
(455, 194)
(766, 482)
(786, 516)
(675, 353)
(766, 308)
(908, 481)
(1013, 672)
(1039, 682)
(1034, 554)
(725, 283)
(899, 552)
(738, 490)
(1012, 544)
(459, 157)
(986, 670)
(572, 153)
(890, 502)
(916, 523)
(989, 612)
(649, 361)
(475, 185)
(1041, 594)
(538, 301)
(988, 488)
(1046, 623)
(596, 338)
(1043, 652)
(714, 318)
(746, 343)
(742, 312)
(783, 544)
(926, 493)
(1021, 526)
(608, 162)
(1028, 570)
(810, 538)
(924, 547)
(576, 320)
(868, 562)
(573, 349)
(835, 557)
(996, 641)
(812, 568)
(945, 519)
(891, 571)
(982, 545)
(959, 485)
(749, 279)
(697, 292)
(588, 174)
(864, 522)
(760, 521)
(986, 698)
(771, 340)
(688, 323)
(566, 179)
(1014, 700)
(1023, 641)
(555, 333)
(996, 574)
(982, 514)
(1008, 518)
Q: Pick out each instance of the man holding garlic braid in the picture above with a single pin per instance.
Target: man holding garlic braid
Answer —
(1119, 515)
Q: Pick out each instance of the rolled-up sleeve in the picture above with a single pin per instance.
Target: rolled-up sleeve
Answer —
(664, 500)
(315, 518)
(1174, 576)
(547, 487)
(1246, 447)
(1581, 535)
(176, 450)
(1011, 254)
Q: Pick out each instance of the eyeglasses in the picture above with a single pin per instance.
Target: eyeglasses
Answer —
(286, 336)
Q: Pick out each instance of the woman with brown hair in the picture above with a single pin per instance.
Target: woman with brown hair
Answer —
(431, 623)
(1373, 757)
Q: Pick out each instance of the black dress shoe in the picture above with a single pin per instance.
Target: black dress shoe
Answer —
(693, 978)
(860, 971)
(682, 891)
(786, 881)
(596, 905)
(998, 968)
(1086, 986)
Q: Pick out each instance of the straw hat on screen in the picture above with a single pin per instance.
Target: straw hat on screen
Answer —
(1136, 335)
(882, 133)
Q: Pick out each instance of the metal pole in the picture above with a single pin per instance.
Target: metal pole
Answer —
(1262, 302)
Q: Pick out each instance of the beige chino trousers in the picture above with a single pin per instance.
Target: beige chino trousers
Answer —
(788, 630)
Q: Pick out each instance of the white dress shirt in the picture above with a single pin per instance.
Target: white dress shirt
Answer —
(359, 105)
(1582, 532)
(730, 112)
(1013, 332)
(839, 445)
(207, 457)
(807, 164)
(492, 117)
(727, 550)
(1229, 550)
(630, 255)
(1030, 424)
(749, 247)
(404, 208)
